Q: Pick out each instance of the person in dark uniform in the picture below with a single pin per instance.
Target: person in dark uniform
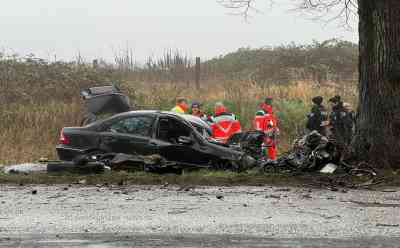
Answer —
(341, 121)
(318, 117)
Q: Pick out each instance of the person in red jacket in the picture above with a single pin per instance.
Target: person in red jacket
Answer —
(223, 123)
(265, 121)
(266, 106)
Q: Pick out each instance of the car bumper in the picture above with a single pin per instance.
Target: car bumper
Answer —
(68, 153)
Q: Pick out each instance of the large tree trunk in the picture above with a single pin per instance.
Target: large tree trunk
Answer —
(378, 126)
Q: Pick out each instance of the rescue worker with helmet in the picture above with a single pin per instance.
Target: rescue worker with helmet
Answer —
(181, 106)
(223, 124)
(266, 122)
(317, 119)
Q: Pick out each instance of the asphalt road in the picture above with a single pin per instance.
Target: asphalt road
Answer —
(188, 241)
(157, 216)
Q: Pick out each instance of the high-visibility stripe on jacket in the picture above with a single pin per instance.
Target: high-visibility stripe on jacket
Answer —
(178, 109)
(268, 124)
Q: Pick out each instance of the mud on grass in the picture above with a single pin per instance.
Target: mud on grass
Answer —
(209, 178)
(142, 178)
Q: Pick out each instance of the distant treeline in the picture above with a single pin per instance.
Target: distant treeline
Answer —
(331, 60)
(34, 80)
(328, 61)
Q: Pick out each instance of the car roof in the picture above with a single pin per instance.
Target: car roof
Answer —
(187, 117)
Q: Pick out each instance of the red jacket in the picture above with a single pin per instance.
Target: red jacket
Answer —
(224, 126)
(268, 124)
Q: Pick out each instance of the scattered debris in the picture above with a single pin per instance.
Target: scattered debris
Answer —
(389, 190)
(185, 188)
(327, 217)
(25, 168)
(375, 204)
(283, 190)
(334, 189)
(195, 193)
(329, 168)
(82, 181)
(177, 212)
(387, 225)
(180, 210)
(392, 198)
(273, 196)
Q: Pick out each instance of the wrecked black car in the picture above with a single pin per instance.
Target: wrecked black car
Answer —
(175, 137)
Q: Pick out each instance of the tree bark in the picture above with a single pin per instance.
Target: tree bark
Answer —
(377, 138)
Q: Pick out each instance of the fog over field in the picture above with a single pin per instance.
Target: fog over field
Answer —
(101, 28)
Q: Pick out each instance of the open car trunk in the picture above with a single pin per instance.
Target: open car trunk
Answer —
(103, 100)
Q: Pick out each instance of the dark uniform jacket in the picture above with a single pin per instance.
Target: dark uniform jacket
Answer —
(342, 122)
(316, 117)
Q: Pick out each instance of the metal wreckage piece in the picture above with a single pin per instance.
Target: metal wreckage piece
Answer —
(312, 152)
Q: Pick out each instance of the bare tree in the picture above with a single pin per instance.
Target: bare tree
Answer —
(378, 124)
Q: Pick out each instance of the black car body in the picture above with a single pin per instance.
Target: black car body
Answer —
(176, 137)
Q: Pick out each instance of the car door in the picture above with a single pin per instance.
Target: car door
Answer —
(130, 135)
(169, 130)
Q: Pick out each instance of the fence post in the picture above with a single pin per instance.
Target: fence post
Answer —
(197, 73)
(95, 63)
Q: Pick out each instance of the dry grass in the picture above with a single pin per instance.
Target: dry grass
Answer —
(29, 132)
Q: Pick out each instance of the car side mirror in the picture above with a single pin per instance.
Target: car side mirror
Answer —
(185, 140)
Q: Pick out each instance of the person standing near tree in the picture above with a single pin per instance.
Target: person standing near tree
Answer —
(341, 121)
(318, 117)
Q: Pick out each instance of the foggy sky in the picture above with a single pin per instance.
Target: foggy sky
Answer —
(102, 28)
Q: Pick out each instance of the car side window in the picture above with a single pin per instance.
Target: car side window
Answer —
(170, 129)
(135, 125)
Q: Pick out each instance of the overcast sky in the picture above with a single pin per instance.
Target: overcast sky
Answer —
(101, 28)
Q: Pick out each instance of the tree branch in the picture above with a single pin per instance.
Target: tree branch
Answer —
(240, 7)
(323, 9)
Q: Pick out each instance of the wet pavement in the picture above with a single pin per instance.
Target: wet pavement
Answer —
(187, 241)
(166, 216)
